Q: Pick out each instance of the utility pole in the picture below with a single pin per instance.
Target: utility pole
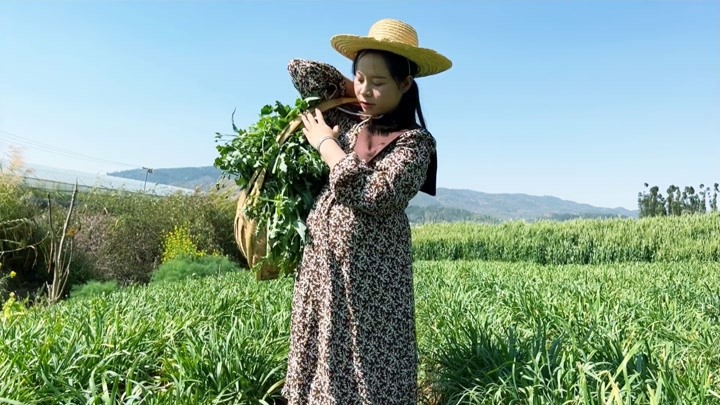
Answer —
(148, 170)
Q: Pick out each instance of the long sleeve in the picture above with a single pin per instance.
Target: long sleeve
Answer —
(392, 182)
(312, 78)
(319, 79)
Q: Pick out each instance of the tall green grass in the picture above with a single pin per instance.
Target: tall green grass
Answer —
(488, 332)
(209, 340)
(526, 333)
(658, 239)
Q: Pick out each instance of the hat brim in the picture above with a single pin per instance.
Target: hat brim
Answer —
(429, 62)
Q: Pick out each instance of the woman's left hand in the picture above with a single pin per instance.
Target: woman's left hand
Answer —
(315, 127)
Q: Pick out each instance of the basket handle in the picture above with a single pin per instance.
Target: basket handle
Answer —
(324, 106)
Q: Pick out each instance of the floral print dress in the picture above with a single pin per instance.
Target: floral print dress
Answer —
(353, 326)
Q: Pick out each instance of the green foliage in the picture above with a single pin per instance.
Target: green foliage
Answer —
(178, 242)
(488, 332)
(122, 235)
(5, 277)
(12, 308)
(491, 332)
(211, 340)
(13, 197)
(678, 202)
(294, 176)
(116, 235)
(21, 230)
(664, 239)
(93, 288)
(196, 266)
(438, 214)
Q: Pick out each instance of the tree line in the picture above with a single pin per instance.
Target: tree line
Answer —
(677, 201)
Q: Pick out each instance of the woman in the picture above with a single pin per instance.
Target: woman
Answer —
(353, 326)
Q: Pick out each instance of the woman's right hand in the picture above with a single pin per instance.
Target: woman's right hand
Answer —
(315, 128)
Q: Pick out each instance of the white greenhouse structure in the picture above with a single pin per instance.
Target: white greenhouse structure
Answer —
(56, 179)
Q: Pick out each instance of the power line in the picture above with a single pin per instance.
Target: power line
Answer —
(11, 138)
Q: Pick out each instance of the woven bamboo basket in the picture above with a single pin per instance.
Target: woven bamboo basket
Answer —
(252, 241)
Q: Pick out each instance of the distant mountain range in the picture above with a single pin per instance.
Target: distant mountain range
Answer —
(516, 206)
(449, 205)
(185, 177)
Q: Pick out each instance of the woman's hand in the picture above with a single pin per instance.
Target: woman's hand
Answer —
(318, 133)
(315, 128)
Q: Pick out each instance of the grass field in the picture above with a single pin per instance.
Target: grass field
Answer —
(488, 332)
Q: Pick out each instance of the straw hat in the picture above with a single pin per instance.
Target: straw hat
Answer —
(397, 37)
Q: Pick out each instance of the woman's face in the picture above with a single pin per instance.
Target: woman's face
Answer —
(376, 90)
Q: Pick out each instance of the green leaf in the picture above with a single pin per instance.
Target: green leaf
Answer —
(300, 228)
(295, 176)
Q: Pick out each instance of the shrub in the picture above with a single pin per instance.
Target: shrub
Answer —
(183, 267)
(13, 308)
(4, 279)
(93, 288)
(88, 263)
(117, 235)
(123, 235)
(132, 249)
(26, 229)
(178, 243)
(20, 231)
(13, 197)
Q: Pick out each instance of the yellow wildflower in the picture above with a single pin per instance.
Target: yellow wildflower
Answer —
(13, 274)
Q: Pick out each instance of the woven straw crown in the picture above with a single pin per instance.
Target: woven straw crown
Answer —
(397, 37)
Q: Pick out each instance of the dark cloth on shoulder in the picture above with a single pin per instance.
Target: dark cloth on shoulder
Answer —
(368, 145)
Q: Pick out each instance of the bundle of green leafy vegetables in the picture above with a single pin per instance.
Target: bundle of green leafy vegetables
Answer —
(294, 176)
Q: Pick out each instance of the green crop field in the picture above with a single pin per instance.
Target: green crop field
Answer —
(658, 239)
(620, 326)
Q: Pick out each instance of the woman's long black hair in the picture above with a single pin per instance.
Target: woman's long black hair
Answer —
(404, 116)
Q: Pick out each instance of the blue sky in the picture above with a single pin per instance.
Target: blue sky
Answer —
(583, 100)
